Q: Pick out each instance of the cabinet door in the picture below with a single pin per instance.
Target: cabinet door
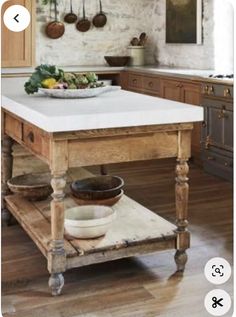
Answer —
(18, 47)
(191, 93)
(171, 89)
(228, 130)
(215, 127)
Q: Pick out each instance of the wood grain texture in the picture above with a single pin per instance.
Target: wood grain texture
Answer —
(18, 48)
(172, 88)
(122, 149)
(6, 173)
(135, 226)
(33, 139)
(34, 223)
(132, 287)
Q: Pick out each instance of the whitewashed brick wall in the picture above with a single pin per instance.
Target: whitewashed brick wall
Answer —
(126, 19)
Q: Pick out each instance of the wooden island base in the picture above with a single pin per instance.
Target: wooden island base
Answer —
(136, 230)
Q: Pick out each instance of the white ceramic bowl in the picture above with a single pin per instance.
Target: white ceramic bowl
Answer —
(78, 93)
(88, 222)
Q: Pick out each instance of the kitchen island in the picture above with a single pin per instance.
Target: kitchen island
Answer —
(115, 127)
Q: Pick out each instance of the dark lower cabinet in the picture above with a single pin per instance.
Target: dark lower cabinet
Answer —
(217, 136)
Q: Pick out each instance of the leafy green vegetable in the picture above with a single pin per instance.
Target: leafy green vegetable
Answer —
(49, 76)
(42, 72)
(92, 77)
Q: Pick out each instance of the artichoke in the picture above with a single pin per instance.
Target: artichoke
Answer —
(91, 77)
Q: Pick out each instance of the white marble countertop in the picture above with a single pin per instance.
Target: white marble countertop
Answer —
(110, 110)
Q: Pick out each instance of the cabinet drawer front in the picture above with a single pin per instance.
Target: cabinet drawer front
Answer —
(218, 164)
(223, 160)
(214, 90)
(216, 104)
(135, 81)
(36, 140)
(13, 127)
(151, 84)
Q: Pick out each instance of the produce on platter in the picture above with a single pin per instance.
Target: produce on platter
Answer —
(52, 77)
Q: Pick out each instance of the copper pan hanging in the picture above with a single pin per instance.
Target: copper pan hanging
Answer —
(55, 29)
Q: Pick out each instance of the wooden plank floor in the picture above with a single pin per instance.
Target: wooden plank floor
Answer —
(135, 287)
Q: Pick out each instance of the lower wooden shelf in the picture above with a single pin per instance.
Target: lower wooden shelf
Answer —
(136, 231)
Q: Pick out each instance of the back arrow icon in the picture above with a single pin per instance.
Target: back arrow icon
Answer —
(15, 18)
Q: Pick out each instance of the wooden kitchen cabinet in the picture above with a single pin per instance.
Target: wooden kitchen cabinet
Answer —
(187, 93)
(168, 88)
(171, 89)
(18, 47)
(142, 83)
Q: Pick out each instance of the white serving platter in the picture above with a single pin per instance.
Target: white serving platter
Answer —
(78, 93)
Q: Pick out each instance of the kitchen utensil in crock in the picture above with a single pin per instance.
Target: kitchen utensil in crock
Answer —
(55, 29)
(142, 39)
(83, 25)
(100, 19)
(70, 17)
(134, 41)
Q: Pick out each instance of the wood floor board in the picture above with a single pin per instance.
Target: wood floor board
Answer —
(146, 286)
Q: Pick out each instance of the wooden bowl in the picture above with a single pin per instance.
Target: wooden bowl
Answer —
(88, 222)
(117, 61)
(101, 202)
(31, 186)
(98, 187)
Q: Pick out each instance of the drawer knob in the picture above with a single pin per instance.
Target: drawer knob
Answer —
(210, 158)
(226, 164)
(227, 92)
(30, 136)
(150, 84)
(211, 90)
(205, 89)
(134, 81)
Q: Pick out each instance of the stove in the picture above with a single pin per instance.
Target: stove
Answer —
(221, 76)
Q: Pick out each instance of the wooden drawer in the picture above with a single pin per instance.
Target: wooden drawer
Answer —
(151, 84)
(135, 81)
(13, 127)
(36, 140)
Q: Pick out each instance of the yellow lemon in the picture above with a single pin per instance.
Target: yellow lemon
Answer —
(49, 83)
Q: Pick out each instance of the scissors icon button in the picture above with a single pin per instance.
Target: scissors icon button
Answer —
(216, 302)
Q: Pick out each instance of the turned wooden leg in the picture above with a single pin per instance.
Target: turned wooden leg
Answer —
(56, 283)
(7, 163)
(181, 194)
(57, 255)
(103, 170)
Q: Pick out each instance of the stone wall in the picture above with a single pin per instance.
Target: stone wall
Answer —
(126, 19)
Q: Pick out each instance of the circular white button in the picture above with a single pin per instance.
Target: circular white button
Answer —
(217, 270)
(217, 302)
(16, 18)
